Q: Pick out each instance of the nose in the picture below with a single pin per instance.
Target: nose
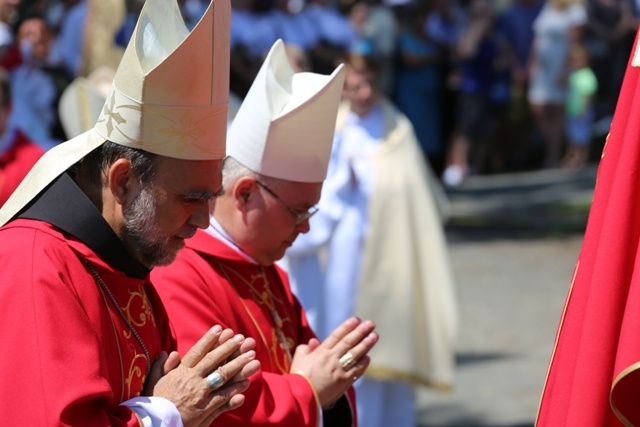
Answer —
(200, 216)
(303, 227)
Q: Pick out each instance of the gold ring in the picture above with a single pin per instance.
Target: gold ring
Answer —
(347, 360)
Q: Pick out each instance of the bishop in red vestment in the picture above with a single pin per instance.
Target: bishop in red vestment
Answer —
(85, 338)
(211, 282)
(69, 280)
(279, 145)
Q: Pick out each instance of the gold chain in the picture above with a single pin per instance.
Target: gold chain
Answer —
(106, 289)
(265, 298)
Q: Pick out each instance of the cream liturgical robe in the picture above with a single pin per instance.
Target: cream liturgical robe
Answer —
(387, 257)
(406, 283)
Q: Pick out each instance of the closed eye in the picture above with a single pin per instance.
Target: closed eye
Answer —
(201, 196)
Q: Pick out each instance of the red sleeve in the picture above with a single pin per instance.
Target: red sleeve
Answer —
(52, 370)
(197, 298)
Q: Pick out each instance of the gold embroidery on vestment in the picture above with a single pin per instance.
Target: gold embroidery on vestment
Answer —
(267, 299)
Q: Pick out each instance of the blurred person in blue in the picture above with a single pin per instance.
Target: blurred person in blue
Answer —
(581, 96)
(609, 36)
(36, 85)
(252, 35)
(8, 13)
(381, 29)
(443, 25)
(417, 84)
(559, 25)
(245, 61)
(357, 13)
(67, 47)
(515, 22)
(17, 153)
(336, 34)
(376, 249)
(512, 150)
(129, 22)
(482, 58)
(292, 26)
(264, 33)
(92, 34)
(376, 32)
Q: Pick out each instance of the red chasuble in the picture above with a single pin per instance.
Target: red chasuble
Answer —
(594, 375)
(68, 358)
(209, 284)
(15, 163)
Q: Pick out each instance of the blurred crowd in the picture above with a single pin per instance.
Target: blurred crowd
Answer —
(490, 86)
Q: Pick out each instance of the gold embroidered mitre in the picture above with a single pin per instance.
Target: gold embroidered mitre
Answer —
(169, 97)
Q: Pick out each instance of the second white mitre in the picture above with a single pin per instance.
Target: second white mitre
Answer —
(285, 125)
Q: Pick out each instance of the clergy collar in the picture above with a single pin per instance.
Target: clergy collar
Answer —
(64, 205)
(216, 230)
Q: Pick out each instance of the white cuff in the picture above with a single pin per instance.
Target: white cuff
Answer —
(155, 411)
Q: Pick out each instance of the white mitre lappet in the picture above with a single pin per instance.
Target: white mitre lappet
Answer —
(285, 125)
(169, 97)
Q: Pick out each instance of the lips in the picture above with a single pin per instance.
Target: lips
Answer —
(188, 234)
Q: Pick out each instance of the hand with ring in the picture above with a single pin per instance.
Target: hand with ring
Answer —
(333, 365)
(347, 360)
(210, 378)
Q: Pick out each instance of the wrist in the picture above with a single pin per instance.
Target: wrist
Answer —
(313, 388)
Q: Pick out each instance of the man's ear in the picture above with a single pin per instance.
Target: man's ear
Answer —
(243, 192)
(121, 180)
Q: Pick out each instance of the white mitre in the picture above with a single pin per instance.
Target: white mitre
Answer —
(169, 97)
(285, 125)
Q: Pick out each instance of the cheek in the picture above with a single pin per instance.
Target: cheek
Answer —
(275, 226)
(171, 217)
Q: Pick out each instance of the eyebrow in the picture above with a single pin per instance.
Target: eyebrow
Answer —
(203, 194)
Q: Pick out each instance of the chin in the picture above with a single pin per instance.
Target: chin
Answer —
(165, 256)
(167, 259)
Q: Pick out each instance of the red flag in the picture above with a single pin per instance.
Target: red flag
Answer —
(594, 374)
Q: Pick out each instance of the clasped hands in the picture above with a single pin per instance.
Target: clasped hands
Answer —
(210, 378)
(333, 365)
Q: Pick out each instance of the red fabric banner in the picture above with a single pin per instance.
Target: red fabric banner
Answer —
(594, 374)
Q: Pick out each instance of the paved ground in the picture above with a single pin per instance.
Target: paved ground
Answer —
(513, 241)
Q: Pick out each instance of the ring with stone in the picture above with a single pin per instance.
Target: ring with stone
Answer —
(347, 360)
(214, 380)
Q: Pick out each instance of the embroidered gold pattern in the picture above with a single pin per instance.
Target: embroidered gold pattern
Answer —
(135, 371)
(186, 131)
(129, 333)
(139, 304)
(111, 115)
(258, 285)
(144, 309)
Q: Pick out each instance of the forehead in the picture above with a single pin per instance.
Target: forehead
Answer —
(189, 175)
(356, 77)
(300, 193)
(31, 25)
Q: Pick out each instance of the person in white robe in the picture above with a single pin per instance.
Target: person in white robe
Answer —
(377, 249)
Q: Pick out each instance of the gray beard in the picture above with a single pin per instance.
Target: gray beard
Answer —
(141, 228)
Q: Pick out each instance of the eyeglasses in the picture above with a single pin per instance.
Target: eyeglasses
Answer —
(300, 216)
